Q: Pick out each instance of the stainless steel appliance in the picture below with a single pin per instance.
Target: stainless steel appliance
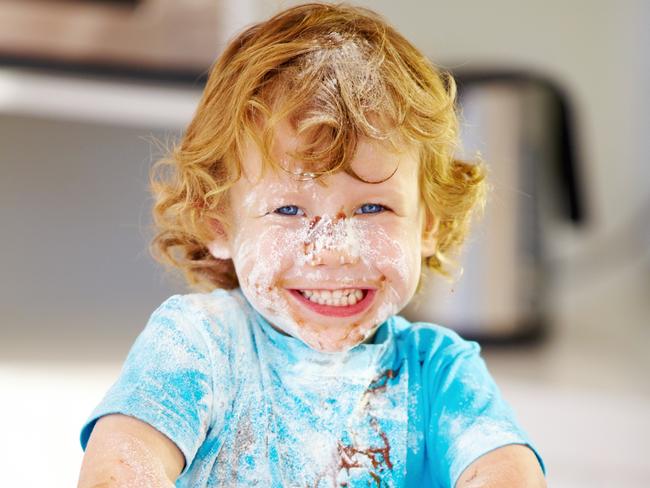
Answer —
(521, 126)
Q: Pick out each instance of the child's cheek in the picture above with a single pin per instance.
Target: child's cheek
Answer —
(261, 256)
(394, 251)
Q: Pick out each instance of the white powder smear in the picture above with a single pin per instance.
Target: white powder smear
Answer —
(135, 464)
(311, 251)
(339, 235)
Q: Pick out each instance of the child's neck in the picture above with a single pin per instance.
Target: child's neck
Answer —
(369, 340)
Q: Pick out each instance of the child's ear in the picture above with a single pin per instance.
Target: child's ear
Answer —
(429, 234)
(218, 246)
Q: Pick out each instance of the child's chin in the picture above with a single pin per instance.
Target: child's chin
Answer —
(334, 340)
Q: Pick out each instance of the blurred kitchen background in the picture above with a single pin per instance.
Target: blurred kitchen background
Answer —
(556, 282)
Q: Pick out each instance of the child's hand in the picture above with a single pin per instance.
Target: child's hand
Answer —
(124, 451)
(513, 466)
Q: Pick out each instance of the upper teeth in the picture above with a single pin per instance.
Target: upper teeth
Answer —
(335, 298)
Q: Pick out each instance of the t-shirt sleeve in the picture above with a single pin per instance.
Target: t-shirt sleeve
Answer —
(166, 380)
(468, 416)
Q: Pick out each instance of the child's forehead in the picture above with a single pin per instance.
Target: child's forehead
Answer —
(400, 187)
(373, 161)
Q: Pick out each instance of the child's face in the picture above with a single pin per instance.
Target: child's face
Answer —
(355, 247)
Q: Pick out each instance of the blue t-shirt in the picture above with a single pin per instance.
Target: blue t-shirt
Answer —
(249, 406)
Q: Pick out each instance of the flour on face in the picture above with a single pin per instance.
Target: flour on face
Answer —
(300, 246)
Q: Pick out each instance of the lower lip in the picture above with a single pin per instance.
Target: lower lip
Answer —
(342, 311)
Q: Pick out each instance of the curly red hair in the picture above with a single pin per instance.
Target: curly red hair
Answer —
(337, 73)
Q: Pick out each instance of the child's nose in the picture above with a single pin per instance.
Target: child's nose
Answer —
(333, 256)
(332, 243)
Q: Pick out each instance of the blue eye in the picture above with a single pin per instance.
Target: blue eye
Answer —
(289, 210)
(370, 208)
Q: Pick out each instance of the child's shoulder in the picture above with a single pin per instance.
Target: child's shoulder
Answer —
(219, 313)
(428, 339)
(217, 304)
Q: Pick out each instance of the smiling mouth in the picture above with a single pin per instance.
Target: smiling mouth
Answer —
(335, 303)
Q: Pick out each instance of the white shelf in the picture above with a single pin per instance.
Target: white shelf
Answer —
(25, 92)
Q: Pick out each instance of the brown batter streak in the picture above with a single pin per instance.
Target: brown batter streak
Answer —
(380, 382)
(351, 456)
(314, 221)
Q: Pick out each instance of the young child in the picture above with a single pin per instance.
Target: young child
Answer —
(314, 182)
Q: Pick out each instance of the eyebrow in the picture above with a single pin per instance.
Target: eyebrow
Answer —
(380, 191)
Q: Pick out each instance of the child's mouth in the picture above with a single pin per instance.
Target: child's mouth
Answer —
(343, 302)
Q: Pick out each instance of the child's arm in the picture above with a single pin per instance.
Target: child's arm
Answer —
(124, 451)
(513, 466)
